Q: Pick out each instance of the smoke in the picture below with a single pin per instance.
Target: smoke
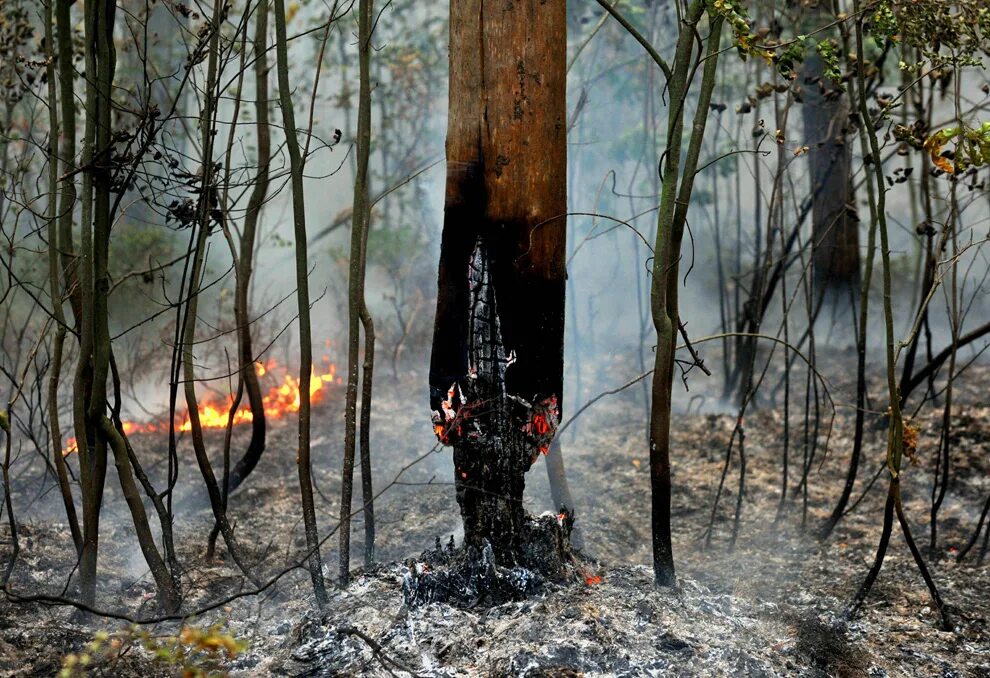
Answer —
(617, 108)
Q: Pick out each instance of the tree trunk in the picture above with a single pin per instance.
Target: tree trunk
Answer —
(245, 264)
(92, 450)
(496, 372)
(359, 317)
(56, 291)
(835, 228)
(207, 197)
(302, 297)
(675, 195)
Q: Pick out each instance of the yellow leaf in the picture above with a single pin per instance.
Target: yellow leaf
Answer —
(943, 164)
(291, 11)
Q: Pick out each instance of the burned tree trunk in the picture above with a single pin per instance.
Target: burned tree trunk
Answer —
(496, 373)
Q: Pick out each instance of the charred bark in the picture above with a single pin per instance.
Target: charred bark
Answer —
(496, 372)
(496, 436)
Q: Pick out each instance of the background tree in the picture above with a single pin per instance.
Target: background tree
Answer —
(834, 225)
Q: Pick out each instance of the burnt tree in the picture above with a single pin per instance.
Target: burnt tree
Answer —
(496, 373)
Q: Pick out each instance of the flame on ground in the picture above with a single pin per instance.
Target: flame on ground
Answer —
(590, 578)
(282, 399)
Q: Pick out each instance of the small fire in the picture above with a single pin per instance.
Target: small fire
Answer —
(590, 578)
(447, 420)
(281, 400)
(540, 423)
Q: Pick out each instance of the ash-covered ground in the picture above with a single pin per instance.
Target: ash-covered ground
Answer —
(771, 605)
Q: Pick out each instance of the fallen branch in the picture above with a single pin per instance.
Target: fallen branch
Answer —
(376, 649)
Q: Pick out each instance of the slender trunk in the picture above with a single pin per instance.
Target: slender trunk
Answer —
(367, 487)
(895, 434)
(5, 418)
(256, 201)
(207, 195)
(98, 423)
(67, 156)
(56, 292)
(92, 451)
(302, 297)
(671, 220)
(189, 388)
(359, 236)
(942, 456)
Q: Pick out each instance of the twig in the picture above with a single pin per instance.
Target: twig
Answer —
(376, 649)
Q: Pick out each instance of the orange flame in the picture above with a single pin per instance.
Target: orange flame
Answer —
(540, 424)
(281, 400)
(590, 578)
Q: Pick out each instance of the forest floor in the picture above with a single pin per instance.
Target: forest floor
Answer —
(772, 604)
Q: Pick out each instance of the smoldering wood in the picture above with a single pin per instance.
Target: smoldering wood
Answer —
(496, 436)
(496, 372)
(473, 576)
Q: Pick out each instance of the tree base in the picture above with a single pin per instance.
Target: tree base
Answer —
(469, 577)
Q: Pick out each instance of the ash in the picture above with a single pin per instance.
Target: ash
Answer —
(769, 604)
(466, 577)
(623, 626)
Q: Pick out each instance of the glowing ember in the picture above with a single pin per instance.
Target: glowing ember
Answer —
(445, 420)
(540, 424)
(591, 580)
(282, 399)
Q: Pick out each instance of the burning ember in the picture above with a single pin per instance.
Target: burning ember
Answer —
(445, 420)
(282, 399)
(543, 425)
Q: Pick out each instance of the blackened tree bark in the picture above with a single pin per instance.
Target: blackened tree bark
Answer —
(496, 372)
